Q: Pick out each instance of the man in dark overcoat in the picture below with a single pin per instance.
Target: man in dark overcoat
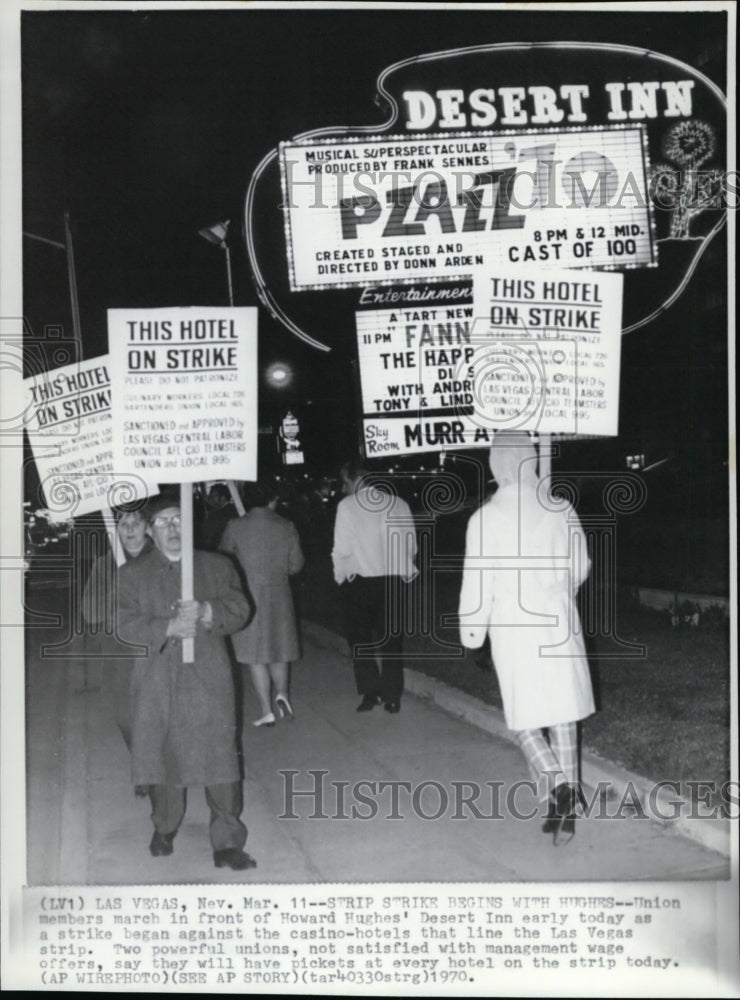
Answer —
(183, 714)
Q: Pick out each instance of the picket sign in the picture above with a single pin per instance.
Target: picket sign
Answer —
(224, 419)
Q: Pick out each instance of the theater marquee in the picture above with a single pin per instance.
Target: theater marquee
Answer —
(402, 209)
(547, 154)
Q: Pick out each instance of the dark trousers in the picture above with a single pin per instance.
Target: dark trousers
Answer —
(224, 801)
(374, 625)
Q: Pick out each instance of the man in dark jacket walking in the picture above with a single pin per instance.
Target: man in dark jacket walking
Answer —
(183, 714)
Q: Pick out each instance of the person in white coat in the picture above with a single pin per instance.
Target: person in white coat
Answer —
(525, 558)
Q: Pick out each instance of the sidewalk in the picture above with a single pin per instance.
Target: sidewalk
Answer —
(86, 826)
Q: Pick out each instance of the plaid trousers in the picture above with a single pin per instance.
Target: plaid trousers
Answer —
(552, 760)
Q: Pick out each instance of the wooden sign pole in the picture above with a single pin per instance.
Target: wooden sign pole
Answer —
(545, 453)
(236, 498)
(115, 542)
(186, 558)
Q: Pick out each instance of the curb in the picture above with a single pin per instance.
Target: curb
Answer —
(663, 600)
(624, 786)
(74, 777)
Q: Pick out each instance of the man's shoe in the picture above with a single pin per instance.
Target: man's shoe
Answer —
(161, 844)
(233, 857)
(392, 707)
(368, 703)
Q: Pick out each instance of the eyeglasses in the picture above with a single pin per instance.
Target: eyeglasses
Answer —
(165, 522)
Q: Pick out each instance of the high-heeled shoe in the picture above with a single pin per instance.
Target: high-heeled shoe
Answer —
(266, 720)
(551, 819)
(284, 707)
(561, 814)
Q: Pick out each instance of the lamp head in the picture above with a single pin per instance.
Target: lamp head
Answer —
(216, 233)
(279, 375)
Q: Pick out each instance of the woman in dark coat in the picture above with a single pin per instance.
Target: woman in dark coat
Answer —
(268, 549)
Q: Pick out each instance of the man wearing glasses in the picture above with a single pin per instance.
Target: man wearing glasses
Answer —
(183, 714)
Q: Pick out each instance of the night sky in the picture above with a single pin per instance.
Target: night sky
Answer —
(146, 126)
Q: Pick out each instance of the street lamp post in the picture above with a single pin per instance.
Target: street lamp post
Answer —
(279, 376)
(217, 234)
(77, 331)
(71, 273)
